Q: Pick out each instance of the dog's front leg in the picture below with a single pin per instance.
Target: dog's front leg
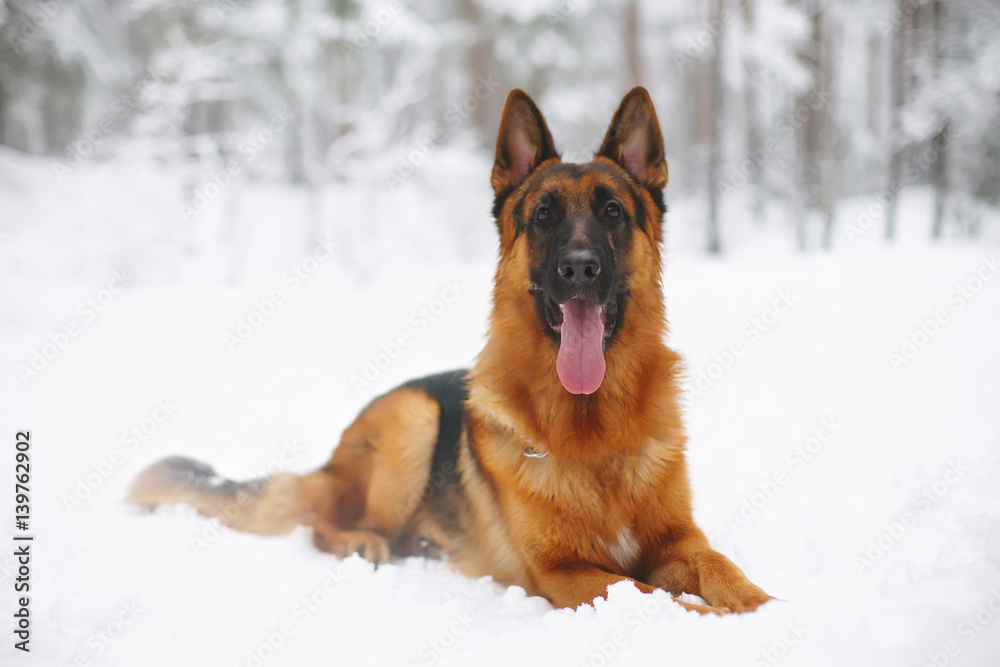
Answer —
(690, 565)
(574, 585)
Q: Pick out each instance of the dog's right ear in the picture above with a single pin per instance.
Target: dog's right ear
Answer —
(523, 143)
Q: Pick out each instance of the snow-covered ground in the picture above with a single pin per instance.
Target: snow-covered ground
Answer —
(843, 417)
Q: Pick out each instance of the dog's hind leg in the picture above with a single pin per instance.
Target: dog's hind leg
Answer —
(374, 483)
(359, 502)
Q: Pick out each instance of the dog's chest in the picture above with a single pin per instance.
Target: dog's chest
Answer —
(602, 502)
(624, 550)
(625, 482)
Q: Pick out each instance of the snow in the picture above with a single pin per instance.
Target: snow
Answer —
(866, 497)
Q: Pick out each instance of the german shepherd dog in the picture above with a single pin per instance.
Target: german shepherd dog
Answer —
(557, 462)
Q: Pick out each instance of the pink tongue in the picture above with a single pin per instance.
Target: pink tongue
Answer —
(580, 363)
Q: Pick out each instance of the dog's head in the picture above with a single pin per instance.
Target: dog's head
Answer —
(582, 238)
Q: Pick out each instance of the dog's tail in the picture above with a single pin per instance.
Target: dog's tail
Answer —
(267, 506)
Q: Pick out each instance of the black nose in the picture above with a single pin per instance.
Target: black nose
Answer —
(579, 267)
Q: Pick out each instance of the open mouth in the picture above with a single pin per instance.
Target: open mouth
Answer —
(584, 327)
(555, 315)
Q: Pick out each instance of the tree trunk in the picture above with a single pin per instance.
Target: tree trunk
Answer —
(812, 146)
(715, 152)
(875, 83)
(295, 156)
(751, 100)
(480, 64)
(3, 116)
(633, 45)
(895, 119)
(939, 174)
(825, 154)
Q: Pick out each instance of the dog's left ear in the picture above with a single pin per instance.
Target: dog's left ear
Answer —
(634, 140)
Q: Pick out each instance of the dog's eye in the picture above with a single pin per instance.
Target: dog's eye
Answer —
(543, 214)
(613, 210)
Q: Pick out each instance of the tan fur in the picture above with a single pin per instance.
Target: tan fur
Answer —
(266, 508)
(562, 494)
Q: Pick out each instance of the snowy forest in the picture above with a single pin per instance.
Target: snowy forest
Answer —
(228, 225)
(772, 109)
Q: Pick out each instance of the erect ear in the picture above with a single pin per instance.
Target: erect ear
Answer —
(523, 142)
(634, 140)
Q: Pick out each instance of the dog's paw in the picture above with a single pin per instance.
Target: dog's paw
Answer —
(702, 608)
(342, 543)
(747, 598)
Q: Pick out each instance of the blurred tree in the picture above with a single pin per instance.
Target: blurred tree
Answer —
(753, 112)
(901, 35)
(820, 133)
(59, 62)
(940, 169)
(632, 34)
(372, 89)
(716, 112)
